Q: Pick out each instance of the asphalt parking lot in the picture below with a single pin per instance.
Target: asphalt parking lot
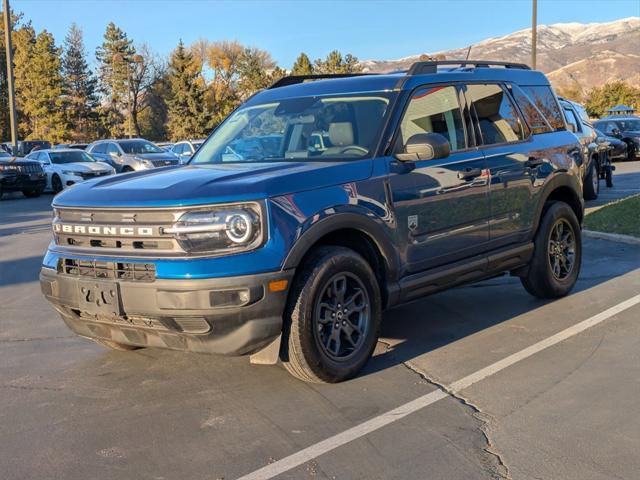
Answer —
(71, 409)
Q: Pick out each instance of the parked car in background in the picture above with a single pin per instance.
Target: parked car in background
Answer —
(617, 148)
(449, 173)
(166, 146)
(131, 154)
(68, 167)
(625, 128)
(595, 161)
(186, 148)
(21, 175)
(75, 146)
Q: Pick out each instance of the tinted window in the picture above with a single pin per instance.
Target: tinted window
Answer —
(571, 118)
(99, 148)
(534, 118)
(434, 110)
(138, 146)
(70, 157)
(498, 118)
(113, 148)
(543, 98)
(177, 149)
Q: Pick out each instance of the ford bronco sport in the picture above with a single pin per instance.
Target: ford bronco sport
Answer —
(291, 248)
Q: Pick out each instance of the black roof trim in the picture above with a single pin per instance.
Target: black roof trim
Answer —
(431, 66)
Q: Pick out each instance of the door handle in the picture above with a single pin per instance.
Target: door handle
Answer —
(469, 173)
(533, 162)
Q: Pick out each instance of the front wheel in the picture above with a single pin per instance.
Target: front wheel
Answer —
(333, 317)
(56, 184)
(557, 256)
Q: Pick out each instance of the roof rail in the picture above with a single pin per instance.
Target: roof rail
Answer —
(431, 66)
(294, 79)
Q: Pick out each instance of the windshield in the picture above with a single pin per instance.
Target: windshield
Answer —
(4, 154)
(139, 146)
(70, 157)
(314, 128)
(628, 125)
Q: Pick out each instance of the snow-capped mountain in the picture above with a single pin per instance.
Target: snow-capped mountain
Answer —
(572, 54)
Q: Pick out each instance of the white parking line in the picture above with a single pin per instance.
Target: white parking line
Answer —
(402, 411)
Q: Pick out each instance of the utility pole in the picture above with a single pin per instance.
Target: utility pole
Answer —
(12, 98)
(534, 33)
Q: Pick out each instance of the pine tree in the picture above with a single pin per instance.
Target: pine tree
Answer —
(188, 115)
(334, 63)
(42, 92)
(80, 86)
(115, 58)
(24, 41)
(302, 65)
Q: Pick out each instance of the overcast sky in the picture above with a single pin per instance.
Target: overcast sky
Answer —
(368, 29)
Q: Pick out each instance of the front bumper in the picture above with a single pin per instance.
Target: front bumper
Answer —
(205, 315)
(11, 182)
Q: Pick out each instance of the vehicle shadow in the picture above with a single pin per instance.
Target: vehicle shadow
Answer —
(21, 270)
(428, 324)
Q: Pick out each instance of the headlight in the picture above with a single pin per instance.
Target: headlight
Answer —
(224, 229)
(71, 172)
(9, 167)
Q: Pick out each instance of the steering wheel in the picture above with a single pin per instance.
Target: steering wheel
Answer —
(355, 148)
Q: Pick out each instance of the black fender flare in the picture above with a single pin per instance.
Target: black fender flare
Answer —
(559, 180)
(342, 221)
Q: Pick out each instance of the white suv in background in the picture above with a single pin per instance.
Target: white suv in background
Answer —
(185, 149)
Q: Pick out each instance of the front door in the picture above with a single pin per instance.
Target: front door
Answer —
(441, 206)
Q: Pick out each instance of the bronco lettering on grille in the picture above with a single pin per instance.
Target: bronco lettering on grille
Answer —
(103, 230)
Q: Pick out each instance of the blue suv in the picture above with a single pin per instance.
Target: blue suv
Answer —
(319, 203)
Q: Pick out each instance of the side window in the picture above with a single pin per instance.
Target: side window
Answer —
(112, 148)
(498, 118)
(99, 148)
(571, 118)
(534, 118)
(434, 110)
(543, 98)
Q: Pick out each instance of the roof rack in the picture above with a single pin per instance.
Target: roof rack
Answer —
(431, 66)
(294, 79)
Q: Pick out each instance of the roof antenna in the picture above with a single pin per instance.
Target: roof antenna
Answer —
(468, 52)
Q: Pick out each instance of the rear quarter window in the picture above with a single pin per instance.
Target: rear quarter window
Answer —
(543, 98)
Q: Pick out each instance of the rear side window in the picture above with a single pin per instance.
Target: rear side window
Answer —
(543, 98)
(534, 118)
(112, 148)
(498, 119)
(434, 110)
(572, 119)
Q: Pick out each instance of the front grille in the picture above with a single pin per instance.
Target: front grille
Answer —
(29, 168)
(88, 175)
(126, 271)
(102, 229)
(164, 163)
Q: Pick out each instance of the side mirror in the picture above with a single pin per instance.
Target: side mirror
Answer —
(615, 132)
(571, 127)
(424, 146)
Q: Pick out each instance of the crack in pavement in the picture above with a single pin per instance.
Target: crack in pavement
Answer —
(502, 470)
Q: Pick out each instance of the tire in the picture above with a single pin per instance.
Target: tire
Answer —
(127, 169)
(608, 175)
(32, 193)
(314, 348)
(56, 184)
(121, 347)
(631, 151)
(540, 280)
(591, 182)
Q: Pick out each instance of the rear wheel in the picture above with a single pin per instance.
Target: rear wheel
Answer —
(631, 150)
(557, 256)
(122, 347)
(592, 182)
(333, 317)
(608, 175)
(56, 184)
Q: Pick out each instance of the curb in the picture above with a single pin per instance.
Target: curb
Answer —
(613, 237)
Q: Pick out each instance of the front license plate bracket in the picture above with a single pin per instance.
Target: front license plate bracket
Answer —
(99, 298)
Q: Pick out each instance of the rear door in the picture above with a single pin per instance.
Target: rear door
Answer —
(441, 206)
(505, 140)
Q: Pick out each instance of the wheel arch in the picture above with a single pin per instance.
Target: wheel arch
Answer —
(562, 188)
